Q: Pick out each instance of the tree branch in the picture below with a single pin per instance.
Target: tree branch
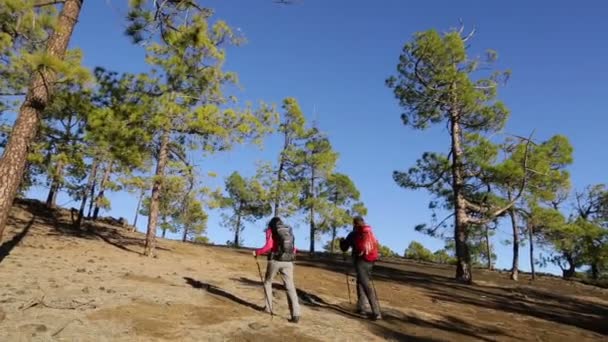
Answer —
(42, 3)
(491, 216)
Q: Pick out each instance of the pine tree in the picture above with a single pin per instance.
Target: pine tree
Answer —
(247, 200)
(435, 84)
(186, 52)
(592, 210)
(285, 189)
(344, 202)
(316, 162)
(48, 63)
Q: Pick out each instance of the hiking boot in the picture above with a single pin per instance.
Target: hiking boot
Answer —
(361, 312)
(294, 319)
(375, 317)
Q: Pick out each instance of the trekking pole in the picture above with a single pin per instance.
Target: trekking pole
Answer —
(347, 280)
(264, 287)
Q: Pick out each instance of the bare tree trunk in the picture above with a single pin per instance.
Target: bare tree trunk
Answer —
(102, 189)
(571, 270)
(51, 199)
(92, 201)
(595, 271)
(531, 238)
(277, 201)
(463, 256)
(141, 197)
(90, 185)
(312, 213)
(515, 264)
(155, 197)
(237, 230)
(185, 236)
(333, 240)
(42, 84)
(488, 247)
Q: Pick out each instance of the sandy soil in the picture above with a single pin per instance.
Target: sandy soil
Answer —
(60, 284)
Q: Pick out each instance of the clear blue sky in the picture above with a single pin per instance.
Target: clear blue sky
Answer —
(334, 56)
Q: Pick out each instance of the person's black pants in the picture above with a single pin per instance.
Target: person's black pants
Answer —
(365, 290)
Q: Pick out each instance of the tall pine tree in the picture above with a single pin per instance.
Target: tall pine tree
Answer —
(186, 52)
(437, 82)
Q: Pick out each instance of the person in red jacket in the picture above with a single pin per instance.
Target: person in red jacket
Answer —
(281, 251)
(365, 252)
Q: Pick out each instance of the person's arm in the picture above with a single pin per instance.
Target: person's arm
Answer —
(268, 246)
(346, 243)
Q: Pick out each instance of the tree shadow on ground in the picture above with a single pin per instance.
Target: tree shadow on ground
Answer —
(7, 247)
(214, 290)
(529, 302)
(62, 223)
(396, 324)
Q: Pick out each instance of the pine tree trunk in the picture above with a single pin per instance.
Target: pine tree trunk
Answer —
(312, 212)
(155, 196)
(237, 230)
(51, 199)
(164, 231)
(14, 156)
(333, 240)
(531, 238)
(595, 271)
(277, 201)
(102, 189)
(90, 185)
(488, 247)
(515, 264)
(185, 236)
(92, 201)
(571, 270)
(463, 256)
(141, 197)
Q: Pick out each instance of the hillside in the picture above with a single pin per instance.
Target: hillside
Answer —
(61, 284)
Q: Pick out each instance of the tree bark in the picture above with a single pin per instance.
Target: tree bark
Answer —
(155, 196)
(102, 189)
(595, 271)
(14, 157)
(92, 195)
(90, 185)
(515, 263)
(185, 236)
(141, 197)
(463, 256)
(488, 247)
(51, 199)
(571, 270)
(237, 230)
(277, 200)
(312, 212)
(531, 238)
(333, 240)
(164, 231)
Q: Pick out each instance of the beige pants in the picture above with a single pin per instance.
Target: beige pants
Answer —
(285, 268)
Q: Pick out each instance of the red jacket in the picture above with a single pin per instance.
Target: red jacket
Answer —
(271, 245)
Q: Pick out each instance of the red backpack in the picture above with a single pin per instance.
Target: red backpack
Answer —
(366, 244)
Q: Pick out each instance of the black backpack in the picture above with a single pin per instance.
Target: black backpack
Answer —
(285, 242)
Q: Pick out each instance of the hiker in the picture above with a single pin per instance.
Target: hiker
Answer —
(281, 250)
(365, 252)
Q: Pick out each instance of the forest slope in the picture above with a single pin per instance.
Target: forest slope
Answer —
(61, 284)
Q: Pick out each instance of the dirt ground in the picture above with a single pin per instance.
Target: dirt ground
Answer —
(60, 284)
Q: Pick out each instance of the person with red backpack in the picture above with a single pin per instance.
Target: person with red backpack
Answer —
(281, 250)
(365, 252)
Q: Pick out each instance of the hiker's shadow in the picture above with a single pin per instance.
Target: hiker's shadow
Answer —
(306, 298)
(214, 290)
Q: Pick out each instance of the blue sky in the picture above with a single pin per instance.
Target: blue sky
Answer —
(334, 56)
